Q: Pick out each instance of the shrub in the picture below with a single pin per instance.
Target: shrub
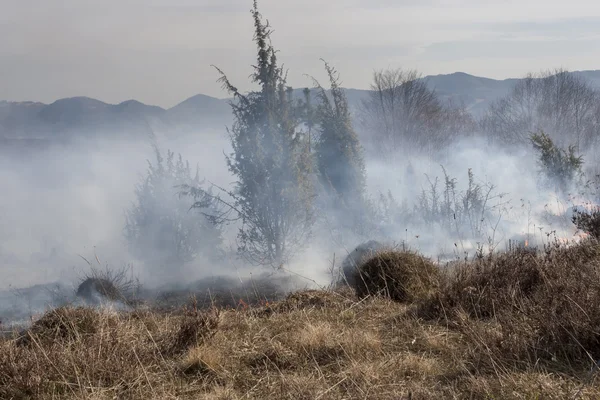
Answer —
(478, 287)
(64, 324)
(543, 307)
(98, 286)
(587, 221)
(558, 166)
(357, 257)
(399, 275)
(160, 228)
(90, 287)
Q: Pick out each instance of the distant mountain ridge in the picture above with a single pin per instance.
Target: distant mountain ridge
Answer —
(84, 116)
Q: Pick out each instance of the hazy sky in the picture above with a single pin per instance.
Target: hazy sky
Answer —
(160, 51)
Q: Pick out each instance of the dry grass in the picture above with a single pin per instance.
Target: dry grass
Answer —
(103, 287)
(541, 308)
(509, 327)
(400, 275)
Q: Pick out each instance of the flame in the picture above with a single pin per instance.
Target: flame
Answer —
(577, 237)
(526, 243)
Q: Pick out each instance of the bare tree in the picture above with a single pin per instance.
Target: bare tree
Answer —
(402, 112)
(556, 102)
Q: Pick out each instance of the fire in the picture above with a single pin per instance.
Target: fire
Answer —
(243, 304)
(582, 235)
(526, 243)
(576, 238)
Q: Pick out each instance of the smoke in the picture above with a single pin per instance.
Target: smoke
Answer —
(62, 202)
(68, 201)
(508, 200)
(66, 204)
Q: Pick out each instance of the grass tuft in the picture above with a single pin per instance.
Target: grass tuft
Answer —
(403, 276)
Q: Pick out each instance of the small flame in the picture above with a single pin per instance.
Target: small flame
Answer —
(526, 243)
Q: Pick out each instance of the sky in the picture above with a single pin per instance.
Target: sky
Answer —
(160, 51)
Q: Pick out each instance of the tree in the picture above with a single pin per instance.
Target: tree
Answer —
(557, 102)
(339, 153)
(559, 167)
(271, 160)
(159, 228)
(402, 113)
(308, 116)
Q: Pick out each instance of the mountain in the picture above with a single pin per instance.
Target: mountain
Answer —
(86, 116)
(200, 111)
(593, 77)
(74, 116)
(15, 116)
(475, 92)
(37, 123)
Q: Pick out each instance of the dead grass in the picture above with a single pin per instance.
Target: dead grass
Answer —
(400, 275)
(508, 327)
(536, 308)
(103, 287)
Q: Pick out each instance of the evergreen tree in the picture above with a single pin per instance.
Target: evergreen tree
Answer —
(559, 167)
(339, 153)
(160, 229)
(271, 160)
(308, 115)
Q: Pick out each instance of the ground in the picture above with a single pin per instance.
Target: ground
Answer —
(312, 345)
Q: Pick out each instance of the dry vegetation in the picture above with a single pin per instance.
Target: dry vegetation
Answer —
(507, 326)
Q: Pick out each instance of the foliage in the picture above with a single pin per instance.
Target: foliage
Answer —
(587, 221)
(271, 160)
(471, 209)
(339, 155)
(559, 167)
(308, 115)
(160, 229)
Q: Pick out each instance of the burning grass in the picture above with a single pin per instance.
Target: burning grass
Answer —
(511, 326)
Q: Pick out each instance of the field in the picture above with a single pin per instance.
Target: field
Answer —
(518, 325)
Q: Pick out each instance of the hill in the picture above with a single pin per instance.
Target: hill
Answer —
(475, 92)
(199, 111)
(78, 117)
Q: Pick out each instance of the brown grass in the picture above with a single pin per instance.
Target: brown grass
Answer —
(540, 308)
(403, 276)
(511, 326)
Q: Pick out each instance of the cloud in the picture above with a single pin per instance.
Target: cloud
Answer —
(503, 49)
